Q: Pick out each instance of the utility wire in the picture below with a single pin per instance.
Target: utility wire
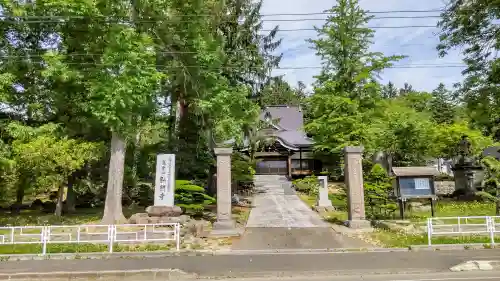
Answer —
(276, 68)
(59, 19)
(211, 15)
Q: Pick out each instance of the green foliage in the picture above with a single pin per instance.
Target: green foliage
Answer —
(378, 190)
(443, 106)
(308, 185)
(448, 136)
(492, 181)
(242, 168)
(191, 198)
(278, 92)
(44, 159)
(402, 132)
(346, 88)
(471, 27)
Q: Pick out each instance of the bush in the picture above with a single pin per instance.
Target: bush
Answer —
(191, 198)
(242, 168)
(308, 185)
(378, 191)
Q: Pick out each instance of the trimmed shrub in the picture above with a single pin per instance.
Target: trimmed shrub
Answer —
(191, 198)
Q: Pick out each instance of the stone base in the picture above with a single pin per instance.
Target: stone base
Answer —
(225, 229)
(159, 214)
(359, 224)
(322, 209)
(164, 211)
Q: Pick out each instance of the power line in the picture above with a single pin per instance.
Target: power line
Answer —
(368, 12)
(59, 19)
(211, 15)
(370, 27)
(29, 56)
(277, 68)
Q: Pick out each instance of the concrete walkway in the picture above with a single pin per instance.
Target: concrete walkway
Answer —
(277, 205)
(279, 219)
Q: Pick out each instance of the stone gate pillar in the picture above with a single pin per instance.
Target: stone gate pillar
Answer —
(224, 225)
(353, 173)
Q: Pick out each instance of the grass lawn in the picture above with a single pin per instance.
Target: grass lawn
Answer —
(82, 216)
(456, 209)
(394, 239)
(82, 248)
(388, 238)
(241, 214)
(337, 217)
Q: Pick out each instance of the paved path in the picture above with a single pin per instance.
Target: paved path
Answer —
(277, 205)
(269, 264)
(279, 219)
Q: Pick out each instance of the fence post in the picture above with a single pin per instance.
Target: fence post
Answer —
(111, 237)
(491, 227)
(429, 231)
(178, 236)
(45, 234)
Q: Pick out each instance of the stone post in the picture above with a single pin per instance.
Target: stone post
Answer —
(353, 173)
(323, 201)
(224, 225)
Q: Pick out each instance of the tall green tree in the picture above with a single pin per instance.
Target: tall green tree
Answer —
(404, 134)
(442, 105)
(346, 87)
(278, 92)
(472, 26)
(389, 91)
(121, 83)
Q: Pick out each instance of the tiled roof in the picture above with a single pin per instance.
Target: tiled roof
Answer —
(291, 121)
(290, 117)
(414, 171)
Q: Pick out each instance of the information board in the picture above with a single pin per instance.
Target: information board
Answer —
(414, 187)
(422, 183)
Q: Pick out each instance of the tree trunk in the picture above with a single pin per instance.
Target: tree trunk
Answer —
(70, 195)
(113, 212)
(60, 198)
(390, 161)
(16, 208)
(137, 154)
(497, 211)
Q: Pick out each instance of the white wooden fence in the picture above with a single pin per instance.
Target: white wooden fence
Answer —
(486, 226)
(91, 234)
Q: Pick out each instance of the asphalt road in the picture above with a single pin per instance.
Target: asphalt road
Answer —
(268, 265)
(472, 276)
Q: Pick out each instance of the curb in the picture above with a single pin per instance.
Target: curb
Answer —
(148, 274)
(479, 265)
(160, 254)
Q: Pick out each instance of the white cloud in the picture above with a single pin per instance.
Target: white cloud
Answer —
(419, 44)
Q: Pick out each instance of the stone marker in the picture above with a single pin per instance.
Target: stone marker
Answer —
(225, 225)
(323, 203)
(165, 180)
(163, 209)
(353, 172)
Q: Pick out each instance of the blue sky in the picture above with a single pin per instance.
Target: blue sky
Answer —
(419, 44)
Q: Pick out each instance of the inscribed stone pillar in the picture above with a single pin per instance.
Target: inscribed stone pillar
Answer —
(224, 223)
(353, 173)
(323, 200)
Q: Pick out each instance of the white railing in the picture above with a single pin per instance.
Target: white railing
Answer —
(487, 226)
(91, 234)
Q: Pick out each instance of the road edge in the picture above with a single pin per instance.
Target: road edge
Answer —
(159, 254)
(149, 274)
